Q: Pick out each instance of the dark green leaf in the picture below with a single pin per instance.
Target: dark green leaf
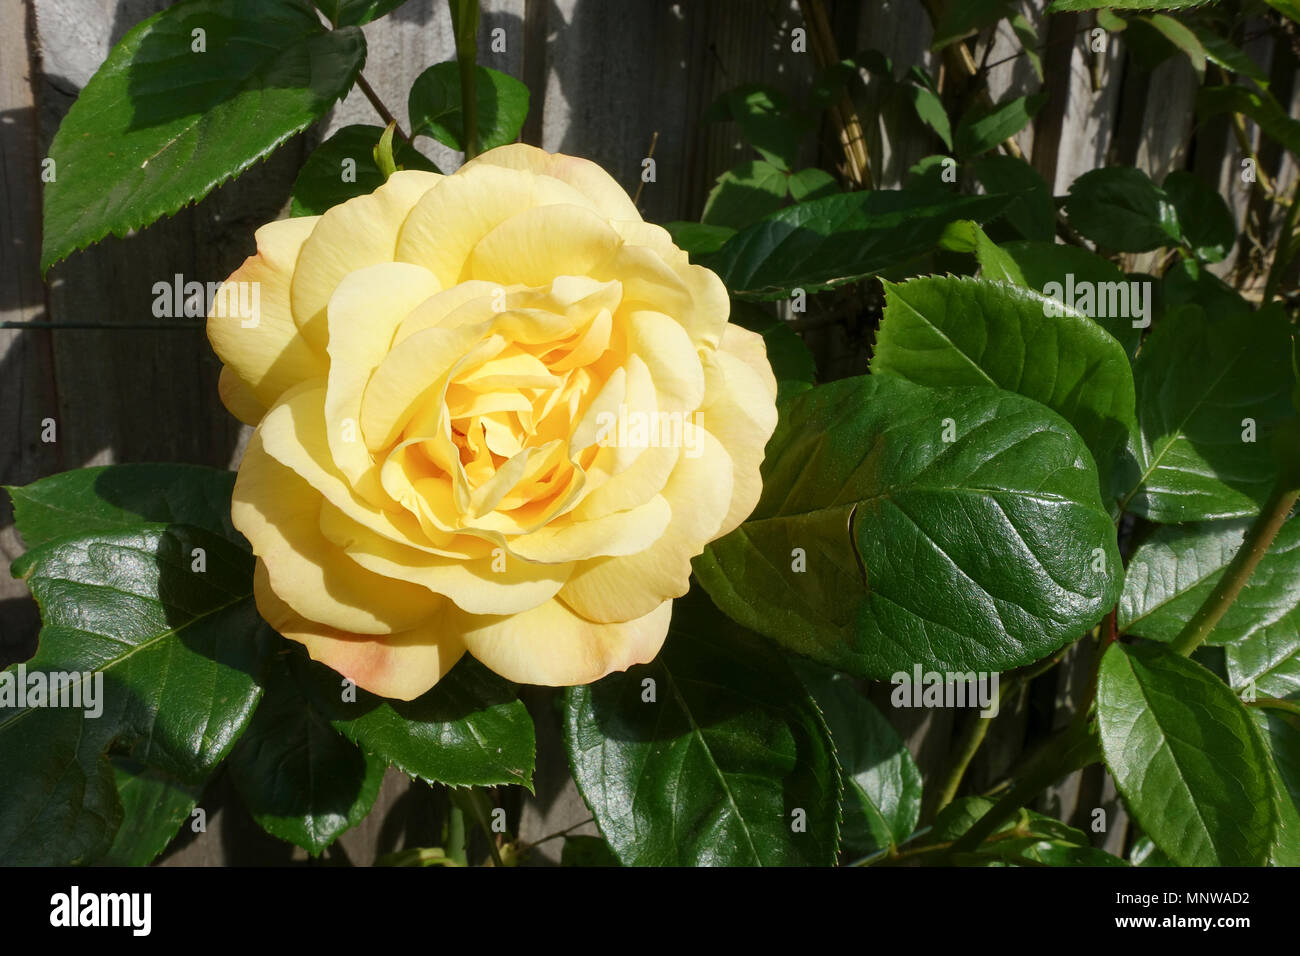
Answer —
(930, 111)
(1187, 757)
(434, 105)
(1258, 105)
(159, 125)
(812, 183)
(471, 730)
(729, 764)
(826, 242)
(745, 194)
(946, 331)
(170, 653)
(1187, 282)
(981, 553)
(1221, 52)
(698, 239)
(960, 20)
(1069, 271)
(882, 785)
(1032, 213)
(1065, 6)
(983, 127)
(1203, 216)
(112, 498)
(766, 119)
(1199, 385)
(344, 166)
(154, 805)
(300, 779)
(789, 356)
(587, 851)
(1281, 733)
(1174, 571)
(1120, 208)
(344, 13)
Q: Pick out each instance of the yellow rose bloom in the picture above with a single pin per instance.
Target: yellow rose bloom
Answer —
(495, 412)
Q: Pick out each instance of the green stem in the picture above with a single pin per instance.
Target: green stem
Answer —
(1276, 703)
(1072, 749)
(972, 737)
(464, 24)
(1284, 248)
(456, 835)
(1258, 539)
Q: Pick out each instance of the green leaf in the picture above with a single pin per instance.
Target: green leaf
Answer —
(1032, 213)
(1067, 6)
(1028, 839)
(728, 765)
(1288, 8)
(766, 119)
(967, 236)
(582, 850)
(470, 730)
(697, 238)
(1182, 37)
(344, 13)
(882, 785)
(1187, 757)
(791, 361)
(1198, 382)
(1121, 209)
(169, 655)
(1259, 106)
(1203, 217)
(930, 111)
(344, 166)
(434, 105)
(859, 478)
(1186, 282)
(745, 194)
(1145, 853)
(1173, 572)
(1281, 733)
(1069, 270)
(1221, 52)
(154, 805)
(1028, 38)
(113, 498)
(946, 331)
(983, 127)
(299, 778)
(827, 242)
(159, 126)
(812, 183)
(1267, 660)
(960, 20)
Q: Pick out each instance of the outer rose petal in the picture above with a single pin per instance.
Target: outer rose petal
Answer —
(585, 176)
(279, 513)
(238, 397)
(358, 233)
(402, 666)
(269, 357)
(740, 411)
(553, 646)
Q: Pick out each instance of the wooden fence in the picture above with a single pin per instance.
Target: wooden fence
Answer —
(605, 77)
